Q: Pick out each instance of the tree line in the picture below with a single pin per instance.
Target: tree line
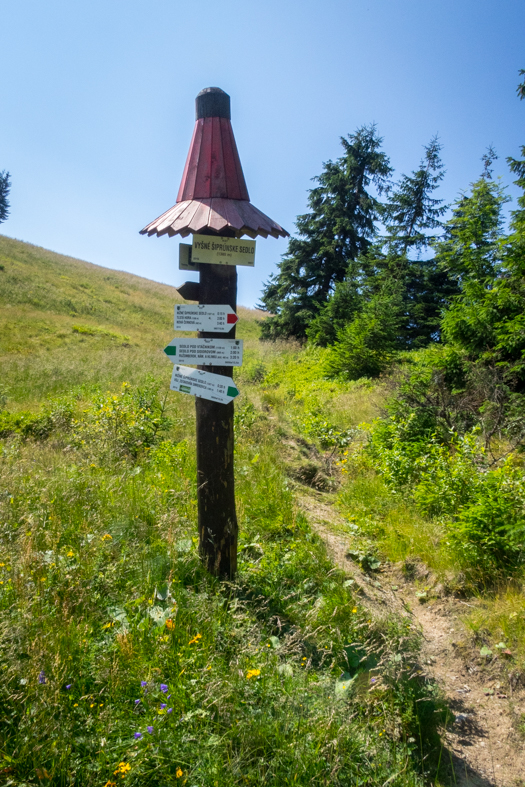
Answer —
(375, 270)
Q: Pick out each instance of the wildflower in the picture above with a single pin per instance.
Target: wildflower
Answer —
(107, 625)
(170, 624)
(110, 784)
(137, 702)
(107, 537)
(42, 677)
(196, 638)
(138, 736)
(122, 768)
(143, 683)
(69, 685)
(169, 710)
(178, 773)
(253, 673)
(164, 688)
(71, 553)
(163, 705)
(75, 705)
(150, 730)
(354, 609)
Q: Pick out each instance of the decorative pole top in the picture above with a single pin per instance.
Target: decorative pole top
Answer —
(212, 102)
(213, 197)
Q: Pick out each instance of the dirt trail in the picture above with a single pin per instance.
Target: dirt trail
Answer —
(482, 744)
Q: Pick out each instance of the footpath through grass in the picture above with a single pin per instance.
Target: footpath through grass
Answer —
(121, 661)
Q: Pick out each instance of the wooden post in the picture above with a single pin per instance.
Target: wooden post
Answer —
(218, 529)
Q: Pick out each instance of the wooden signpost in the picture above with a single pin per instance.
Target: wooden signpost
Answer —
(213, 205)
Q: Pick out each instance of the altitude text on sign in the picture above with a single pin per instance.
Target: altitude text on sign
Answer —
(203, 317)
(203, 385)
(222, 251)
(210, 352)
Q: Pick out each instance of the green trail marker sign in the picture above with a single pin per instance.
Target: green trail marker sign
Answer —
(201, 317)
(210, 352)
(222, 251)
(203, 385)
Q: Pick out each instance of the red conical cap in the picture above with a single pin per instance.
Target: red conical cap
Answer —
(213, 194)
(213, 167)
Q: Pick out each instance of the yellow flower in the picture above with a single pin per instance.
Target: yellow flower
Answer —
(170, 624)
(253, 673)
(71, 553)
(107, 625)
(178, 773)
(196, 638)
(122, 768)
(354, 609)
(106, 536)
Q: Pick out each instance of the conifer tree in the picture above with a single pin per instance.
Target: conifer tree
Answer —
(412, 208)
(5, 185)
(338, 228)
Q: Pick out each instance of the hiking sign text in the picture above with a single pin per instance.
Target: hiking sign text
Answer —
(204, 385)
(222, 251)
(215, 319)
(210, 352)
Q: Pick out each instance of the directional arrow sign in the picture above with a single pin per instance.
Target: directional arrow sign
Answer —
(212, 352)
(215, 319)
(204, 385)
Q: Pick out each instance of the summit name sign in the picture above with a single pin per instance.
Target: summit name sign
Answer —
(216, 250)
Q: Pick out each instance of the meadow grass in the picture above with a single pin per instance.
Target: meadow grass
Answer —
(121, 659)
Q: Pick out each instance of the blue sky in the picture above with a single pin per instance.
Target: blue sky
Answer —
(97, 106)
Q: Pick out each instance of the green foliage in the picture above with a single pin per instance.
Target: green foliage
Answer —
(482, 507)
(5, 186)
(92, 331)
(423, 289)
(338, 228)
(411, 209)
(120, 658)
(367, 346)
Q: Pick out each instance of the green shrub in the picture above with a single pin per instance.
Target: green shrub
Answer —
(489, 533)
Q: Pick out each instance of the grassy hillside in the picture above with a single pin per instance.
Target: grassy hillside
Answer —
(121, 660)
(84, 323)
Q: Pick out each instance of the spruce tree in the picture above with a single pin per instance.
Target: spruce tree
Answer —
(338, 228)
(5, 185)
(412, 209)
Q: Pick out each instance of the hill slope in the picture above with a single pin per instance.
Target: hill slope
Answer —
(83, 322)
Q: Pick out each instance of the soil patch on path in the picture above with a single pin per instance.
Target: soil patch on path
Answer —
(483, 746)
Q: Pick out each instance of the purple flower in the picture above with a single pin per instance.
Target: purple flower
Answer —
(137, 702)
(162, 705)
(69, 685)
(164, 688)
(169, 710)
(42, 677)
(169, 695)
(373, 680)
(150, 730)
(143, 683)
(138, 736)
